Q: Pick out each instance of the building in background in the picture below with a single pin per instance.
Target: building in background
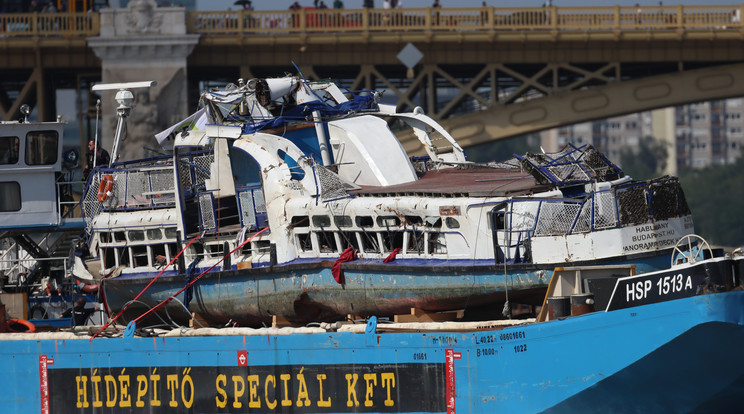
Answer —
(701, 134)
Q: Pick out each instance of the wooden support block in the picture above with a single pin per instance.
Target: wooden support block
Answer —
(278, 322)
(195, 317)
(418, 315)
(16, 305)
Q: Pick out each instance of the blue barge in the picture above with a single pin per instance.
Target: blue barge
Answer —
(661, 349)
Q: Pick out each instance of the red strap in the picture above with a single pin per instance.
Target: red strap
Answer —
(348, 255)
(165, 302)
(392, 255)
(110, 321)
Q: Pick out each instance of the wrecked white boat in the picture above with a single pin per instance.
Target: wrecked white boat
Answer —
(294, 199)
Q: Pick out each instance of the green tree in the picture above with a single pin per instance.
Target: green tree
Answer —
(646, 161)
(716, 197)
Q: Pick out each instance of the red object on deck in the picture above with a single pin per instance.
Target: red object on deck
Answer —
(348, 255)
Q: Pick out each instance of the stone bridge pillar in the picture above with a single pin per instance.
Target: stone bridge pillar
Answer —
(137, 43)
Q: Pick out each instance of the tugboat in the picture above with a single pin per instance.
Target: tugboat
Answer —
(294, 199)
(40, 224)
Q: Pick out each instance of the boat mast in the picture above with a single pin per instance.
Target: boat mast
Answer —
(124, 98)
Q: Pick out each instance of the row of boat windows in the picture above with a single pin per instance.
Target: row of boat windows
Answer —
(158, 255)
(41, 148)
(138, 235)
(322, 221)
(409, 242)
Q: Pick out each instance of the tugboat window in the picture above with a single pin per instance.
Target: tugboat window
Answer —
(171, 233)
(9, 150)
(10, 196)
(154, 234)
(41, 147)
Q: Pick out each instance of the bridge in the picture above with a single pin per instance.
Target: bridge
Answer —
(486, 73)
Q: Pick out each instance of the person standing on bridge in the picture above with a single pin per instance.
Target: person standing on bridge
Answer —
(338, 4)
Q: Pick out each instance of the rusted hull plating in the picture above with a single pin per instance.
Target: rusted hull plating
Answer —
(309, 293)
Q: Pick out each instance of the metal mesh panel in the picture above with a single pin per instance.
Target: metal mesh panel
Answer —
(331, 187)
(161, 185)
(569, 172)
(184, 172)
(556, 218)
(207, 212)
(201, 170)
(605, 213)
(137, 183)
(633, 205)
(664, 198)
(258, 199)
(585, 216)
(91, 206)
(248, 214)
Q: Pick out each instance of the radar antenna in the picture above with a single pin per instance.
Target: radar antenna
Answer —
(124, 98)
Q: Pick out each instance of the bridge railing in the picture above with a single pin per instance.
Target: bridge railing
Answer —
(45, 24)
(612, 18)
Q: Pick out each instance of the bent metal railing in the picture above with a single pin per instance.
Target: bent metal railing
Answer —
(310, 21)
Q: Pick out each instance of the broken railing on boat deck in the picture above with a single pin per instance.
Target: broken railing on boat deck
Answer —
(150, 184)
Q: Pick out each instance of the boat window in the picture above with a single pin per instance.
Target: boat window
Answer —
(9, 150)
(436, 244)
(414, 220)
(139, 255)
(263, 247)
(392, 240)
(349, 239)
(109, 257)
(296, 172)
(342, 221)
(305, 242)
(300, 221)
(104, 236)
(500, 220)
(10, 196)
(157, 255)
(435, 222)
(123, 255)
(369, 242)
(154, 234)
(321, 221)
(388, 221)
(172, 250)
(415, 242)
(327, 242)
(452, 223)
(41, 147)
(136, 235)
(171, 233)
(214, 250)
(120, 236)
(364, 221)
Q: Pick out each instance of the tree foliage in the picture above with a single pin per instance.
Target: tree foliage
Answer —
(646, 161)
(716, 197)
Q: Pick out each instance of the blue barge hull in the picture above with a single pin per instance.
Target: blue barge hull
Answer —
(665, 357)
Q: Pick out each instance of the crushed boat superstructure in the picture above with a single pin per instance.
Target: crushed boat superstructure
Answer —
(352, 224)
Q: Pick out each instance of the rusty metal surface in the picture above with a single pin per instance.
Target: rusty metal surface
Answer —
(476, 182)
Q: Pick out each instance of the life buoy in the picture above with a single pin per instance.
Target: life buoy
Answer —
(20, 325)
(107, 183)
(84, 287)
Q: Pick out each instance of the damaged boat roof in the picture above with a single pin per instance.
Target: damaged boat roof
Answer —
(455, 182)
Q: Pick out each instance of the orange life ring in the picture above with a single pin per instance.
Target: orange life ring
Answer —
(84, 287)
(107, 183)
(18, 325)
